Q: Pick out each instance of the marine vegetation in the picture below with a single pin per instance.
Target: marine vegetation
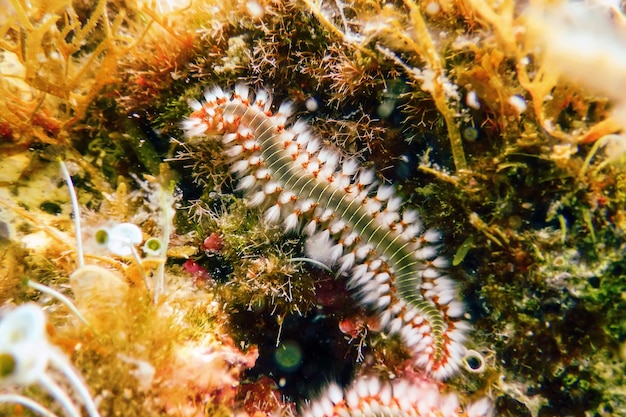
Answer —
(312, 208)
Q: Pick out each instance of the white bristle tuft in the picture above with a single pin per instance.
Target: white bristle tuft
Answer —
(412, 338)
(310, 228)
(255, 161)
(358, 271)
(384, 192)
(385, 395)
(327, 214)
(263, 174)
(411, 231)
(307, 205)
(395, 325)
(427, 252)
(383, 302)
(373, 387)
(432, 236)
(430, 273)
(372, 205)
(313, 145)
(342, 182)
(334, 393)
(350, 239)
(361, 388)
(212, 94)
(346, 262)
(257, 199)
(480, 408)
(410, 216)
(337, 226)
(375, 265)
(441, 262)
(329, 157)
(241, 91)
(284, 112)
(245, 132)
(363, 251)
(246, 182)
(271, 188)
(228, 138)
(326, 406)
(446, 297)
(286, 197)
(292, 150)
(455, 309)
(194, 104)
(239, 166)
(394, 204)
(303, 138)
(366, 177)
(272, 215)
(317, 409)
(193, 127)
(234, 151)
(382, 278)
(349, 167)
(335, 253)
(250, 145)
(387, 218)
(263, 100)
(313, 166)
(291, 222)
(302, 159)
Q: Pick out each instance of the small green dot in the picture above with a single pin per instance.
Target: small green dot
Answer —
(152, 246)
(470, 134)
(288, 356)
(102, 237)
(7, 364)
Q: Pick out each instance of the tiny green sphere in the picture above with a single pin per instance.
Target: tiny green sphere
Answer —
(470, 134)
(288, 356)
(152, 246)
(102, 236)
(7, 364)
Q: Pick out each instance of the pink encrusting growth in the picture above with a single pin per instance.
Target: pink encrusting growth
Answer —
(370, 396)
(351, 220)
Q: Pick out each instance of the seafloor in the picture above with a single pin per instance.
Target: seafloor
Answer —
(165, 289)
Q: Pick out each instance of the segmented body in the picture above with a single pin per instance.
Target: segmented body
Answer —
(369, 397)
(351, 220)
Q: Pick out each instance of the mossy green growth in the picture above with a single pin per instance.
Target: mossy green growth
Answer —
(606, 293)
(263, 274)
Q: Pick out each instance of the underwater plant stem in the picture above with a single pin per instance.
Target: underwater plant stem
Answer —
(592, 152)
(21, 14)
(315, 7)
(59, 361)
(59, 395)
(54, 293)
(76, 210)
(316, 10)
(167, 215)
(26, 402)
(425, 48)
(140, 266)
